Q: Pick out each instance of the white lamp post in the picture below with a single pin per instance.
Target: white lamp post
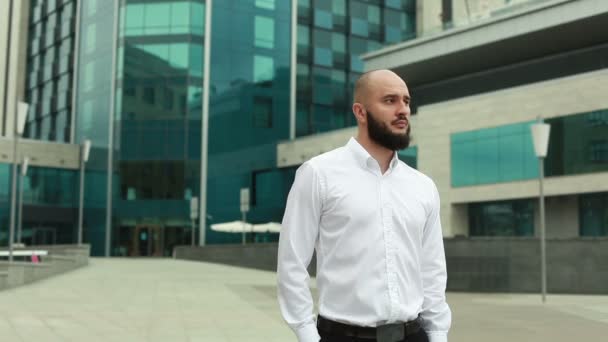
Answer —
(540, 136)
(244, 208)
(19, 126)
(193, 216)
(84, 157)
(24, 165)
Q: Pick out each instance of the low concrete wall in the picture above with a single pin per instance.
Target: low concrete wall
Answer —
(474, 264)
(262, 256)
(513, 265)
(61, 259)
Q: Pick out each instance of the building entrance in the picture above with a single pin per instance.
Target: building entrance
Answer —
(147, 240)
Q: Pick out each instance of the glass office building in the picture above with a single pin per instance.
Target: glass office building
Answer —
(130, 75)
(52, 31)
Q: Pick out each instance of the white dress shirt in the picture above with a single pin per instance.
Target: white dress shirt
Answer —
(379, 245)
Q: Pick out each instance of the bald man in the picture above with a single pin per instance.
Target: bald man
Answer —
(374, 223)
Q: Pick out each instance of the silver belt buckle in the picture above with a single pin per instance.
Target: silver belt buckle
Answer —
(390, 332)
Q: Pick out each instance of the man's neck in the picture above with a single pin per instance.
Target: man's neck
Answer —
(380, 153)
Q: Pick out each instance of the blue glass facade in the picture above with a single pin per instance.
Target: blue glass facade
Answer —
(593, 214)
(249, 110)
(49, 202)
(138, 97)
(502, 218)
(5, 200)
(578, 144)
(493, 155)
(158, 111)
(331, 37)
(49, 64)
(409, 156)
(93, 111)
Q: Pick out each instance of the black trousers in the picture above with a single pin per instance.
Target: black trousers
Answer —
(420, 336)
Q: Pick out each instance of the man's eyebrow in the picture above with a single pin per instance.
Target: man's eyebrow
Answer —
(396, 95)
(390, 95)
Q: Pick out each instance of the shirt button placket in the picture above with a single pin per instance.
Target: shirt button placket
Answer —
(386, 213)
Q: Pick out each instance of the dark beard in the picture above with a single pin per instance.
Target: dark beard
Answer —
(381, 134)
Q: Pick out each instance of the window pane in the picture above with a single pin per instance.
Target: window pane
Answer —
(338, 42)
(179, 55)
(180, 14)
(197, 15)
(196, 60)
(134, 16)
(267, 4)
(323, 57)
(156, 14)
(323, 19)
(263, 68)
(91, 38)
(264, 32)
(303, 35)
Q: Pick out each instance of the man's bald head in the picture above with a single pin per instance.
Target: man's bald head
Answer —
(367, 81)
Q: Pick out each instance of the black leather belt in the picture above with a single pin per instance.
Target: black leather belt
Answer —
(398, 330)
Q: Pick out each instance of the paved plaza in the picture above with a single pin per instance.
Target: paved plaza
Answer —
(173, 300)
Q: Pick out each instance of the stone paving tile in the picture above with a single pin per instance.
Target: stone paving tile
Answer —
(173, 300)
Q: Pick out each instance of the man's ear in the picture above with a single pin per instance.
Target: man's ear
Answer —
(359, 112)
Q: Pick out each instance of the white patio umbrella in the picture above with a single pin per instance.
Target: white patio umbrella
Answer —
(232, 227)
(271, 227)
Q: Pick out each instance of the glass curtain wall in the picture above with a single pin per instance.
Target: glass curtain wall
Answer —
(49, 205)
(593, 214)
(159, 96)
(5, 202)
(493, 155)
(578, 144)
(331, 37)
(249, 110)
(504, 218)
(94, 110)
(49, 69)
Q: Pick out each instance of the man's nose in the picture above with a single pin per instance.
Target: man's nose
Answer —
(404, 110)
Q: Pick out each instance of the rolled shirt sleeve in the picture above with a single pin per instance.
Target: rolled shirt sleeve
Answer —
(299, 232)
(436, 315)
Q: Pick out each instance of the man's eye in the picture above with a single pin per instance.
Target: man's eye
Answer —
(389, 101)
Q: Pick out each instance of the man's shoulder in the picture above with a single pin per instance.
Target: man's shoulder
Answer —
(328, 159)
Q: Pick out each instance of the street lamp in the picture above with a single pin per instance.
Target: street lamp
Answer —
(22, 108)
(193, 216)
(24, 165)
(540, 136)
(244, 208)
(84, 157)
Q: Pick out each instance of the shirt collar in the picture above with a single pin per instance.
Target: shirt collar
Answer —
(364, 158)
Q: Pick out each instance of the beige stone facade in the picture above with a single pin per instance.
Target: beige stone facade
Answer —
(12, 79)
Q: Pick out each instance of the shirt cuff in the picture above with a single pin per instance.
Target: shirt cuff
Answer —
(438, 337)
(308, 333)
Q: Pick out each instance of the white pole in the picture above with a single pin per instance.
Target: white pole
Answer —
(543, 252)
(85, 149)
(18, 130)
(540, 138)
(244, 215)
(294, 67)
(192, 232)
(205, 123)
(111, 135)
(13, 198)
(80, 200)
(20, 217)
